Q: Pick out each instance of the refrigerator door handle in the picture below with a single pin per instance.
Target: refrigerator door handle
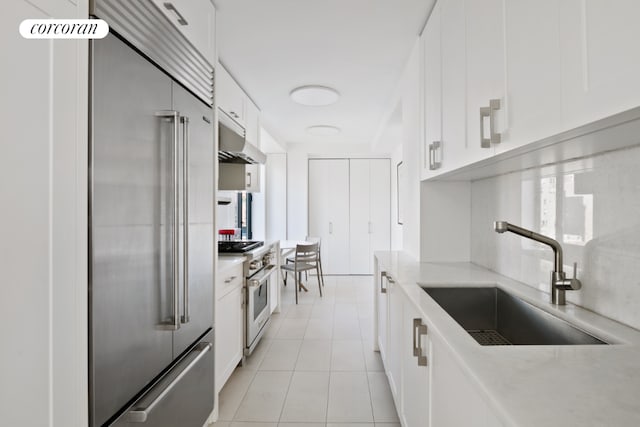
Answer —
(185, 222)
(174, 323)
(141, 409)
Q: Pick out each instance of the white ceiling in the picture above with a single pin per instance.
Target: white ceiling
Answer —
(358, 47)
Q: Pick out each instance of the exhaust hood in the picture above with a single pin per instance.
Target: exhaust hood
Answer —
(233, 147)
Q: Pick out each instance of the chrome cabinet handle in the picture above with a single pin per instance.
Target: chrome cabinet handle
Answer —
(172, 8)
(230, 279)
(489, 112)
(185, 222)
(249, 177)
(174, 323)
(330, 228)
(419, 329)
(433, 147)
(142, 410)
(383, 290)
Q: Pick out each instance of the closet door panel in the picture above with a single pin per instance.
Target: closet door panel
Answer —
(329, 211)
(359, 216)
(380, 210)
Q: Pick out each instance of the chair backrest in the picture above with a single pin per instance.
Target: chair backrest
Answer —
(307, 253)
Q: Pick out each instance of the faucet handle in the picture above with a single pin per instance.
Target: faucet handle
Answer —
(574, 283)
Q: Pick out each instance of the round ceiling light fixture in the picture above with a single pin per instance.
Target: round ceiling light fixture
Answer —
(314, 95)
(323, 130)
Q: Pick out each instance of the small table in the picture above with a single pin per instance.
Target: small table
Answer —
(287, 247)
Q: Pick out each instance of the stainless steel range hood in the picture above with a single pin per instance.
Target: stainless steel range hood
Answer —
(233, 146)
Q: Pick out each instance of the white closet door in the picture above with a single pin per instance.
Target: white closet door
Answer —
(359, 216)
(329, 211)
(380, 202)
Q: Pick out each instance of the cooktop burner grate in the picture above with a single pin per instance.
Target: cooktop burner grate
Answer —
(238, 246)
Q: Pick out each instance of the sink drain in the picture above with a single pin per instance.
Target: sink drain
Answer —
(489, 337)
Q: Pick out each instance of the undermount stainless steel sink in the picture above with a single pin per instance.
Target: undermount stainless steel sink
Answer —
(494, 317)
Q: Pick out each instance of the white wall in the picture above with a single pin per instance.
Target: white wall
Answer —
(411, 137)
(396, 229)
(276, 192)
(592, 206)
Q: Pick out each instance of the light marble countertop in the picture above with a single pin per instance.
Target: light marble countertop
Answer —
(583, 385)
(228, 261)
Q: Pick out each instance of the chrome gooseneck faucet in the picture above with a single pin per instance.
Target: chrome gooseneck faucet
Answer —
(559, 282)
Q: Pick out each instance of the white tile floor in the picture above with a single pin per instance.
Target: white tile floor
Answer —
(315, 365)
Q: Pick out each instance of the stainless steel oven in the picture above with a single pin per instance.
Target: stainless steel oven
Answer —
(257, 295)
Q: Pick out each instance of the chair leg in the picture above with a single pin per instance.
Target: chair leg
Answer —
(321, 273)
(295, 285)
(284, 278)
(319, 285)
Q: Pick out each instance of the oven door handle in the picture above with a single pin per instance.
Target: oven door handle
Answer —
(256, 283)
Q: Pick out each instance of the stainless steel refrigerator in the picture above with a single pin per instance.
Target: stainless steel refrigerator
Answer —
(151, 244)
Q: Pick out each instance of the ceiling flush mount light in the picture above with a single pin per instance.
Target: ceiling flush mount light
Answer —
(323, 130)
(314, 95)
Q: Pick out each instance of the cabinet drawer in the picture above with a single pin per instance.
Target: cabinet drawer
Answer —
(228, 280)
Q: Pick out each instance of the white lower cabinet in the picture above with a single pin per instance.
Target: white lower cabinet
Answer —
(428, 385)
(454, 401)
(381, 286)
(416, 356)
(395, 339)
(228, 324)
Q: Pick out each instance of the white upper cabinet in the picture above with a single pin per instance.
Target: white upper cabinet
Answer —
(600, 58)
(531, 69)
(252, 122)
(432, 78)
(533, 73)
(485, 67)
(454, 87)
(230, 97)
(196, 20)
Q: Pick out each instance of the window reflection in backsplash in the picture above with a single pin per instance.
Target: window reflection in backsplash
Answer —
(591, 205)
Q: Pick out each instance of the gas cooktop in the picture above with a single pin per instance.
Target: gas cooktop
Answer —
(238, 246)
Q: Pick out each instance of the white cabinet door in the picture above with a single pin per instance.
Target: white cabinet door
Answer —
(253, 174)
(329, 211)
(252, 122)
(449, 384)
(534, 93)
(415, 377)
(379, 226)
(43, 175)
(454, 93)
(360, 258)
(485, 63)
(196, 20)
(230, 97)
(600, 58)
(382, 287)
(395, 338)
(229, 343)
(432, 77)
